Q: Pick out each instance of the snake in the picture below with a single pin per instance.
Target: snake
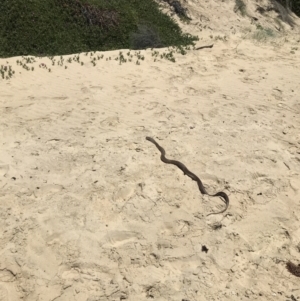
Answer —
(188, 173)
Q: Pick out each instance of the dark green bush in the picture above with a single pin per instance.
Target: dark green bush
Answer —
(145, 37)
(57, 27)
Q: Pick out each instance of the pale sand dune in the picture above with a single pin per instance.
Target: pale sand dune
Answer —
(88, 210)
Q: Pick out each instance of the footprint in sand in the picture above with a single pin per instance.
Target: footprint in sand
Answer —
(124, 193)
(112, 121)
(118, 238)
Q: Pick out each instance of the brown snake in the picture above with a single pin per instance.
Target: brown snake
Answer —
(191, 175)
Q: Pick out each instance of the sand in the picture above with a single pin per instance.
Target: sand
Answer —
(88, 210)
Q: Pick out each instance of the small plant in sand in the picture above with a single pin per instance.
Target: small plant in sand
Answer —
(170, 54)
(139, 55)
(262, 34)
(61, 62)
(155, 53)
(26, 67)
(28, 60)
(6, 72)
(181, 50)
(121, 58)
(224, 39)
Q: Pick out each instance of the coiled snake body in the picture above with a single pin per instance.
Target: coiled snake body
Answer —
(191, 175)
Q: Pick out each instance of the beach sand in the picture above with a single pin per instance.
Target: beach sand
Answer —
(88, 210)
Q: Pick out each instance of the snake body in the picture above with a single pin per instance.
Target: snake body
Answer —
(187, 172)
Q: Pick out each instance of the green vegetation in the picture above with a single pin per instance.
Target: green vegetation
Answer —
(241, 7)
(281, 7)
(89, 58)
(59, 27)
(6, 72)
(262, 34)
(293, 5)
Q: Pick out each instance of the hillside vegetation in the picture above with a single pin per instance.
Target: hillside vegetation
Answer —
(57, 27)
(293, 5)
